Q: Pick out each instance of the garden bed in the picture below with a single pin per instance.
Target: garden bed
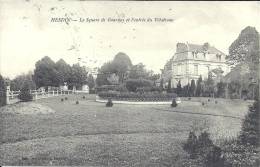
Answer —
(136, 97)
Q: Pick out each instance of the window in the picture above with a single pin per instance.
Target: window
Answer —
(195, 69)
(179, 69)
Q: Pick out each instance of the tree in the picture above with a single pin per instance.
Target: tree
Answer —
(245, 47)
(209, 85)
(79, 76)
(45, 73)
(121, 64)
(91, 81)
(186, 90)
(153, 77)
(138, 71)
(250, 133)
(18, 82)
(64, 71)
(179, 88)
(2, 91)
(234, 89)
(192, 87)
(199, 87)
(221, 89)
(169, 86)
(244, 54)
(103, 73)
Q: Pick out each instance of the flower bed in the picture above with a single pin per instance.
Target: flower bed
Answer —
(137, 96)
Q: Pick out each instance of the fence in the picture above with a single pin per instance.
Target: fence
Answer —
(12, 96)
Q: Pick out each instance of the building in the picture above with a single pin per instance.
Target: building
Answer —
(192, 60)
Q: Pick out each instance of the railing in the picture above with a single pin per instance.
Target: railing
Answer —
(12, 96)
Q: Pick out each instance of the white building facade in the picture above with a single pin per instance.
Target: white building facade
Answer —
(190, 61)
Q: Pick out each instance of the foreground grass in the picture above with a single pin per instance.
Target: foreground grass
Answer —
(124, 135)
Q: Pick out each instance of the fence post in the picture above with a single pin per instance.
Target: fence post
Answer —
(36, 95)
(12, 94)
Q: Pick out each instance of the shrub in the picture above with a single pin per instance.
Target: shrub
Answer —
(25, 93)
(189, 98)
(208, 100)
(203, 103)
(109, 103)
(83, 97)
(203, 150)
(191, 145)
(214, 157)
(216, 102)
(204, 142)
(174, 104)
(66, 98)
(61, 99)
(77, 102)
(133, 84)
(236, 154)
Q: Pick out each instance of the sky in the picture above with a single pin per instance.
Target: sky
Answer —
(27, 33)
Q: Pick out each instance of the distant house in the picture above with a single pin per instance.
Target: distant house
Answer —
(192, 60)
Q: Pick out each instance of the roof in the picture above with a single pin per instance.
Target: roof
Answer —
(199, 48)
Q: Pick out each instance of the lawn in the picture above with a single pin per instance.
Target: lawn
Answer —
(125, 135)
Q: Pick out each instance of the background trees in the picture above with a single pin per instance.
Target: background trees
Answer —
(49, 73)
(45, 73)
(19, 81)
(122, 67)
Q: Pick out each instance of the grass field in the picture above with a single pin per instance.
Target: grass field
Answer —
(124, 135)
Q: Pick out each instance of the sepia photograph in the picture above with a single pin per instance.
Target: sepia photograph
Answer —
(129, 83)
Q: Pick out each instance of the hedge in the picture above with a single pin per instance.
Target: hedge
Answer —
(137, 96)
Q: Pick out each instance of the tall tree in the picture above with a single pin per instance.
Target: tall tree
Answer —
(209, 85)
(64, 71)
(179, 88)
(192, 87)
(79, 76)
(221, 89)
(199, 87)
(91, 81)
(122, 64)
(169, 87)
(137, 71)
(45, 73)
(250, 133)
(245, 47)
